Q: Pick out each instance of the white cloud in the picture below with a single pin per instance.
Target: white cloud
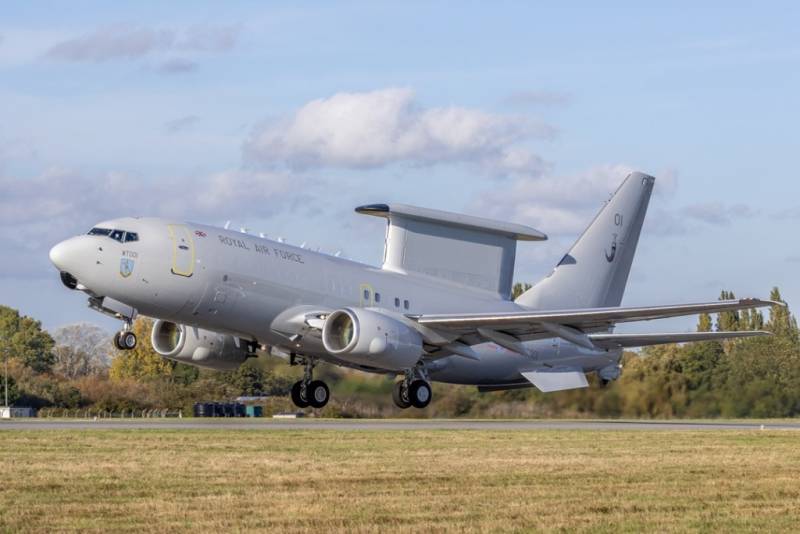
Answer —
(36, 213)
(786, 214)
(113, 43)
(557, 205)
(177, 66)
(717, 213)
(378, 128)
(132, 42)
(181, 123)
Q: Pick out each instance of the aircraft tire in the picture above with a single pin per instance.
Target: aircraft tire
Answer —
(399, 399)
(420, 394)
(318, 394)
(297, 398)
(117, 344)
(127, 340)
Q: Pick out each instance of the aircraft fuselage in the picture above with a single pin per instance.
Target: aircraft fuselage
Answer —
(243, 285)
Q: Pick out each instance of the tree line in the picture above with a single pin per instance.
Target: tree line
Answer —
(76, 367)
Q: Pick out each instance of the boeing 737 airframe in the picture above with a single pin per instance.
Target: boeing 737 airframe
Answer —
(439, 308)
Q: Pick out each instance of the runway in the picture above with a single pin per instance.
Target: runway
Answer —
(268, 425)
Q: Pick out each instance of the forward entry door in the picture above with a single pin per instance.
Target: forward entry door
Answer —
(182, 250)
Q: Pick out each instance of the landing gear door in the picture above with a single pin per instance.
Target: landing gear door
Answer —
(182, 250)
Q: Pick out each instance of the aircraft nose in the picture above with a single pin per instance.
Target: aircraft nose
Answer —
(59, 254)
(67, 255)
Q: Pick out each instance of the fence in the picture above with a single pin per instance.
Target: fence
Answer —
(82, 413)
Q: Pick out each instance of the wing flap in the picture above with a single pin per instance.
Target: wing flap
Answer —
(642, 340)
(531, 323)
(557, 379)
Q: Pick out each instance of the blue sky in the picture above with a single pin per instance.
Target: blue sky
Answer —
(284, 116)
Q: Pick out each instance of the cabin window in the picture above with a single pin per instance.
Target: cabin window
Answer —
(396, 302)
(366, 295)
(405, 304)
(377, 297)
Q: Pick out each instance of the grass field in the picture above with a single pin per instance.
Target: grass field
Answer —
(322, 480)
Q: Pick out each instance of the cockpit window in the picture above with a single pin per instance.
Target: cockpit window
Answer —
(117, 235)
(99, 231)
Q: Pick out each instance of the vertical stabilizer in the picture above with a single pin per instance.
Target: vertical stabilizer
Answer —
(594, 272)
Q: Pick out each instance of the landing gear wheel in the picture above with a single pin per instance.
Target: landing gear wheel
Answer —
(318, 394)
(125, 340)
(419, 394)
(299, 400)
(400, 396)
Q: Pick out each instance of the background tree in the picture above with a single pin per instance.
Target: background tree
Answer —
(704, 323)
(25, 340)
(13, 391)
(248, 379)
(141, 363)
(781, 321)
(81, 349)
(518, 289)
(727, 321)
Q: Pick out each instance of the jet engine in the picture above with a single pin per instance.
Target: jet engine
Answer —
(195, 346)
(370, 338)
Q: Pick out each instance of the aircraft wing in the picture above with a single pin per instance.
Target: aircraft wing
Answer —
(610, 341)
(508, 328)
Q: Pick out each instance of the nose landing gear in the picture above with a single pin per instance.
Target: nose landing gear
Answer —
(308, 392)
(125, 339)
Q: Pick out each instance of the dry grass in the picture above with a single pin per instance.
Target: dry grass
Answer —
(213, 480)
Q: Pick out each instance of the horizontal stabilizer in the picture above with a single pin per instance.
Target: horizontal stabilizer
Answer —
(558, 379)
(609, 341)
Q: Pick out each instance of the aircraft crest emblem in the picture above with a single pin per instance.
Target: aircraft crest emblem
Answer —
(610, 255)
(126, 267)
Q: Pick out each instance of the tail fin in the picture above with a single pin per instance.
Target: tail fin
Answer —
(593, 274)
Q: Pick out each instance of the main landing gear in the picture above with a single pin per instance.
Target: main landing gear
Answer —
(125, 339)
(309, 392)
(413, 391)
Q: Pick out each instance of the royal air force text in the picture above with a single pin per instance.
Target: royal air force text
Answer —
(261, 249)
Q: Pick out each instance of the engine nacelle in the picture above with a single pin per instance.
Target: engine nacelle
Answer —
(195, 346)
(370, 338)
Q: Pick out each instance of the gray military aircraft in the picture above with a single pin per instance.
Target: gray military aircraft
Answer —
(438, 309)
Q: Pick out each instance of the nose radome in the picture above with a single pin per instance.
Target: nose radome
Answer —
(59, 254)
(67, 255)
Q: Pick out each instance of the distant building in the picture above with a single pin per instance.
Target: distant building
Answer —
(8, 412)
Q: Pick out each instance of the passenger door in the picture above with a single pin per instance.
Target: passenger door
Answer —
(183, 255)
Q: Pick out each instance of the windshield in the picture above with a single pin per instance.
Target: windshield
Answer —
(122, 236)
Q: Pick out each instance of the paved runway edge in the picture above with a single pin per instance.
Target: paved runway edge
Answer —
(391, 424)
